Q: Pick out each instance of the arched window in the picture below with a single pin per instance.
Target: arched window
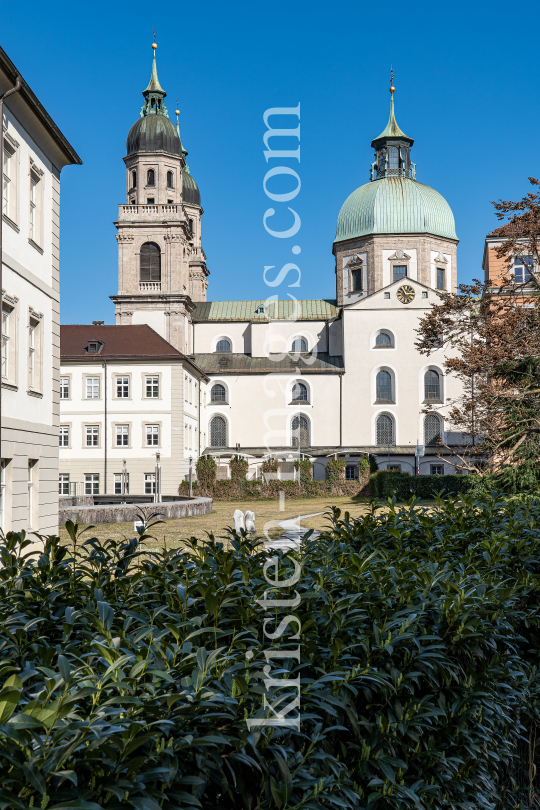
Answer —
(383, 339)
(384, 386)
(218, 393)
(191, 226)
(218, 432)
(356, 278)
(151, 178)
(299, 392)
(223, 345)
(133, 179)
(299, 344)
(150, 262)
(393, 157)
(432, 385)
(432, 429)
(385, 430)
(169, 179)
(300, 431)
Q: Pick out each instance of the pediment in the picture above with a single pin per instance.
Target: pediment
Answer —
(399, 254)
(387, 298)
(440, 259)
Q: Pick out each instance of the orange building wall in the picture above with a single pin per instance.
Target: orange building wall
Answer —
(495, 269)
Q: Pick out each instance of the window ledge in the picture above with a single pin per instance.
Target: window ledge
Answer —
(33, 393)
(36, 246)
(384, 402)
(432, 402)
(219, 403)
(9, 386)
(299, 402)
(383, 347)
(11, 224)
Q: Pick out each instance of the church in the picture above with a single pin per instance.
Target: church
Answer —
(279, 378)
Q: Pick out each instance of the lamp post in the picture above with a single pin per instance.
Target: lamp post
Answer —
(190, 476)
(157, 487)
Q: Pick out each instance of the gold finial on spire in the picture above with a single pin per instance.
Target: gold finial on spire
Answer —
(154, 43)
(392, 88)
(177, 110)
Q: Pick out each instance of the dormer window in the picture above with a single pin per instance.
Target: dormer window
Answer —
(94, 346)
(261, 310)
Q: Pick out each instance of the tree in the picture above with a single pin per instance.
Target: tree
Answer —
(493, 334)
(521, 231)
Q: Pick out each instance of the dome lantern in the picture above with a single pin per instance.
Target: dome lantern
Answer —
(392, 148)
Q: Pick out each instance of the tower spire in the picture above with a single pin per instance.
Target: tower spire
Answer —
(392, 130)
(154, 94)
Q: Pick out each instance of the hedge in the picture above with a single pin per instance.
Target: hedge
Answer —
(388, 484)
(128, 674)
(259, 490)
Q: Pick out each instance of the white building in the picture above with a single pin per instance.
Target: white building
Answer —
(35, 151)
(318, 377)
(128, 398)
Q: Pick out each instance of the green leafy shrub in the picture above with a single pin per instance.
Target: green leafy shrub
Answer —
(335, 470)
(270, 465)
(239, 467)
(306, 470)
(206, 472)
(391, 483)
(126, 684)
(373, 466)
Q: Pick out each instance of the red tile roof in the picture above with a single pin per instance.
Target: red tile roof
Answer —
(129, 341)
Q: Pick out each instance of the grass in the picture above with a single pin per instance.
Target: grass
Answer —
(173, 532)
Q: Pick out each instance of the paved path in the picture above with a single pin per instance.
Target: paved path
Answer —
(293, 533)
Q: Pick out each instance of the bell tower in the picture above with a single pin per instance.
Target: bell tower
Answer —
(161, 263)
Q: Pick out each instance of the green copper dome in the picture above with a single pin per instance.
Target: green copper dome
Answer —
(395, 205)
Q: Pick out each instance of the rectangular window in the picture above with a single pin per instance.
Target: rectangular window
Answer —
(64, 436)
(64, 387)
(91, 484)
(186, 395)
(152, 435)
(440, 278)
(92, 435)
(149, 483)
(32, 353)
(6, 190)
(522, 269)
(33, 214)
(399, 271)
(436, 469)
(31, 493)
(350, 471)
(122, 435)
(152, 387)
(122, 387)
(63, 484)
(121, 483)
(395, 467)
(3, 465)
(92, 388)
(5, 344)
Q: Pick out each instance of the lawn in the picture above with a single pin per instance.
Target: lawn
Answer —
(172, 532)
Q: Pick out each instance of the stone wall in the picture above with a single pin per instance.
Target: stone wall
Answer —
(124, 513)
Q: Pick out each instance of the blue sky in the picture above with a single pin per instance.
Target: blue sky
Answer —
(467, 90)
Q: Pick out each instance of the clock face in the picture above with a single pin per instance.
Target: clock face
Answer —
(405, 294)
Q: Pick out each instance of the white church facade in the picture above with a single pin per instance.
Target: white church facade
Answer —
(283, 378)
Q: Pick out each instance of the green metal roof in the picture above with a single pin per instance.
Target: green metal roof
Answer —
(395, 205)
(310, 310)
(392, 130)
(229, 363)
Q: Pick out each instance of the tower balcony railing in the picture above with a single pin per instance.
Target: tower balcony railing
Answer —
(377, 173)
(149, 286)
(149, 212)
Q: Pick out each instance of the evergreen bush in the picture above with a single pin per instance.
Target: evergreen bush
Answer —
(125, 681)
(239, 468)
(402, 485)
(206, 472)
(335, 470)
